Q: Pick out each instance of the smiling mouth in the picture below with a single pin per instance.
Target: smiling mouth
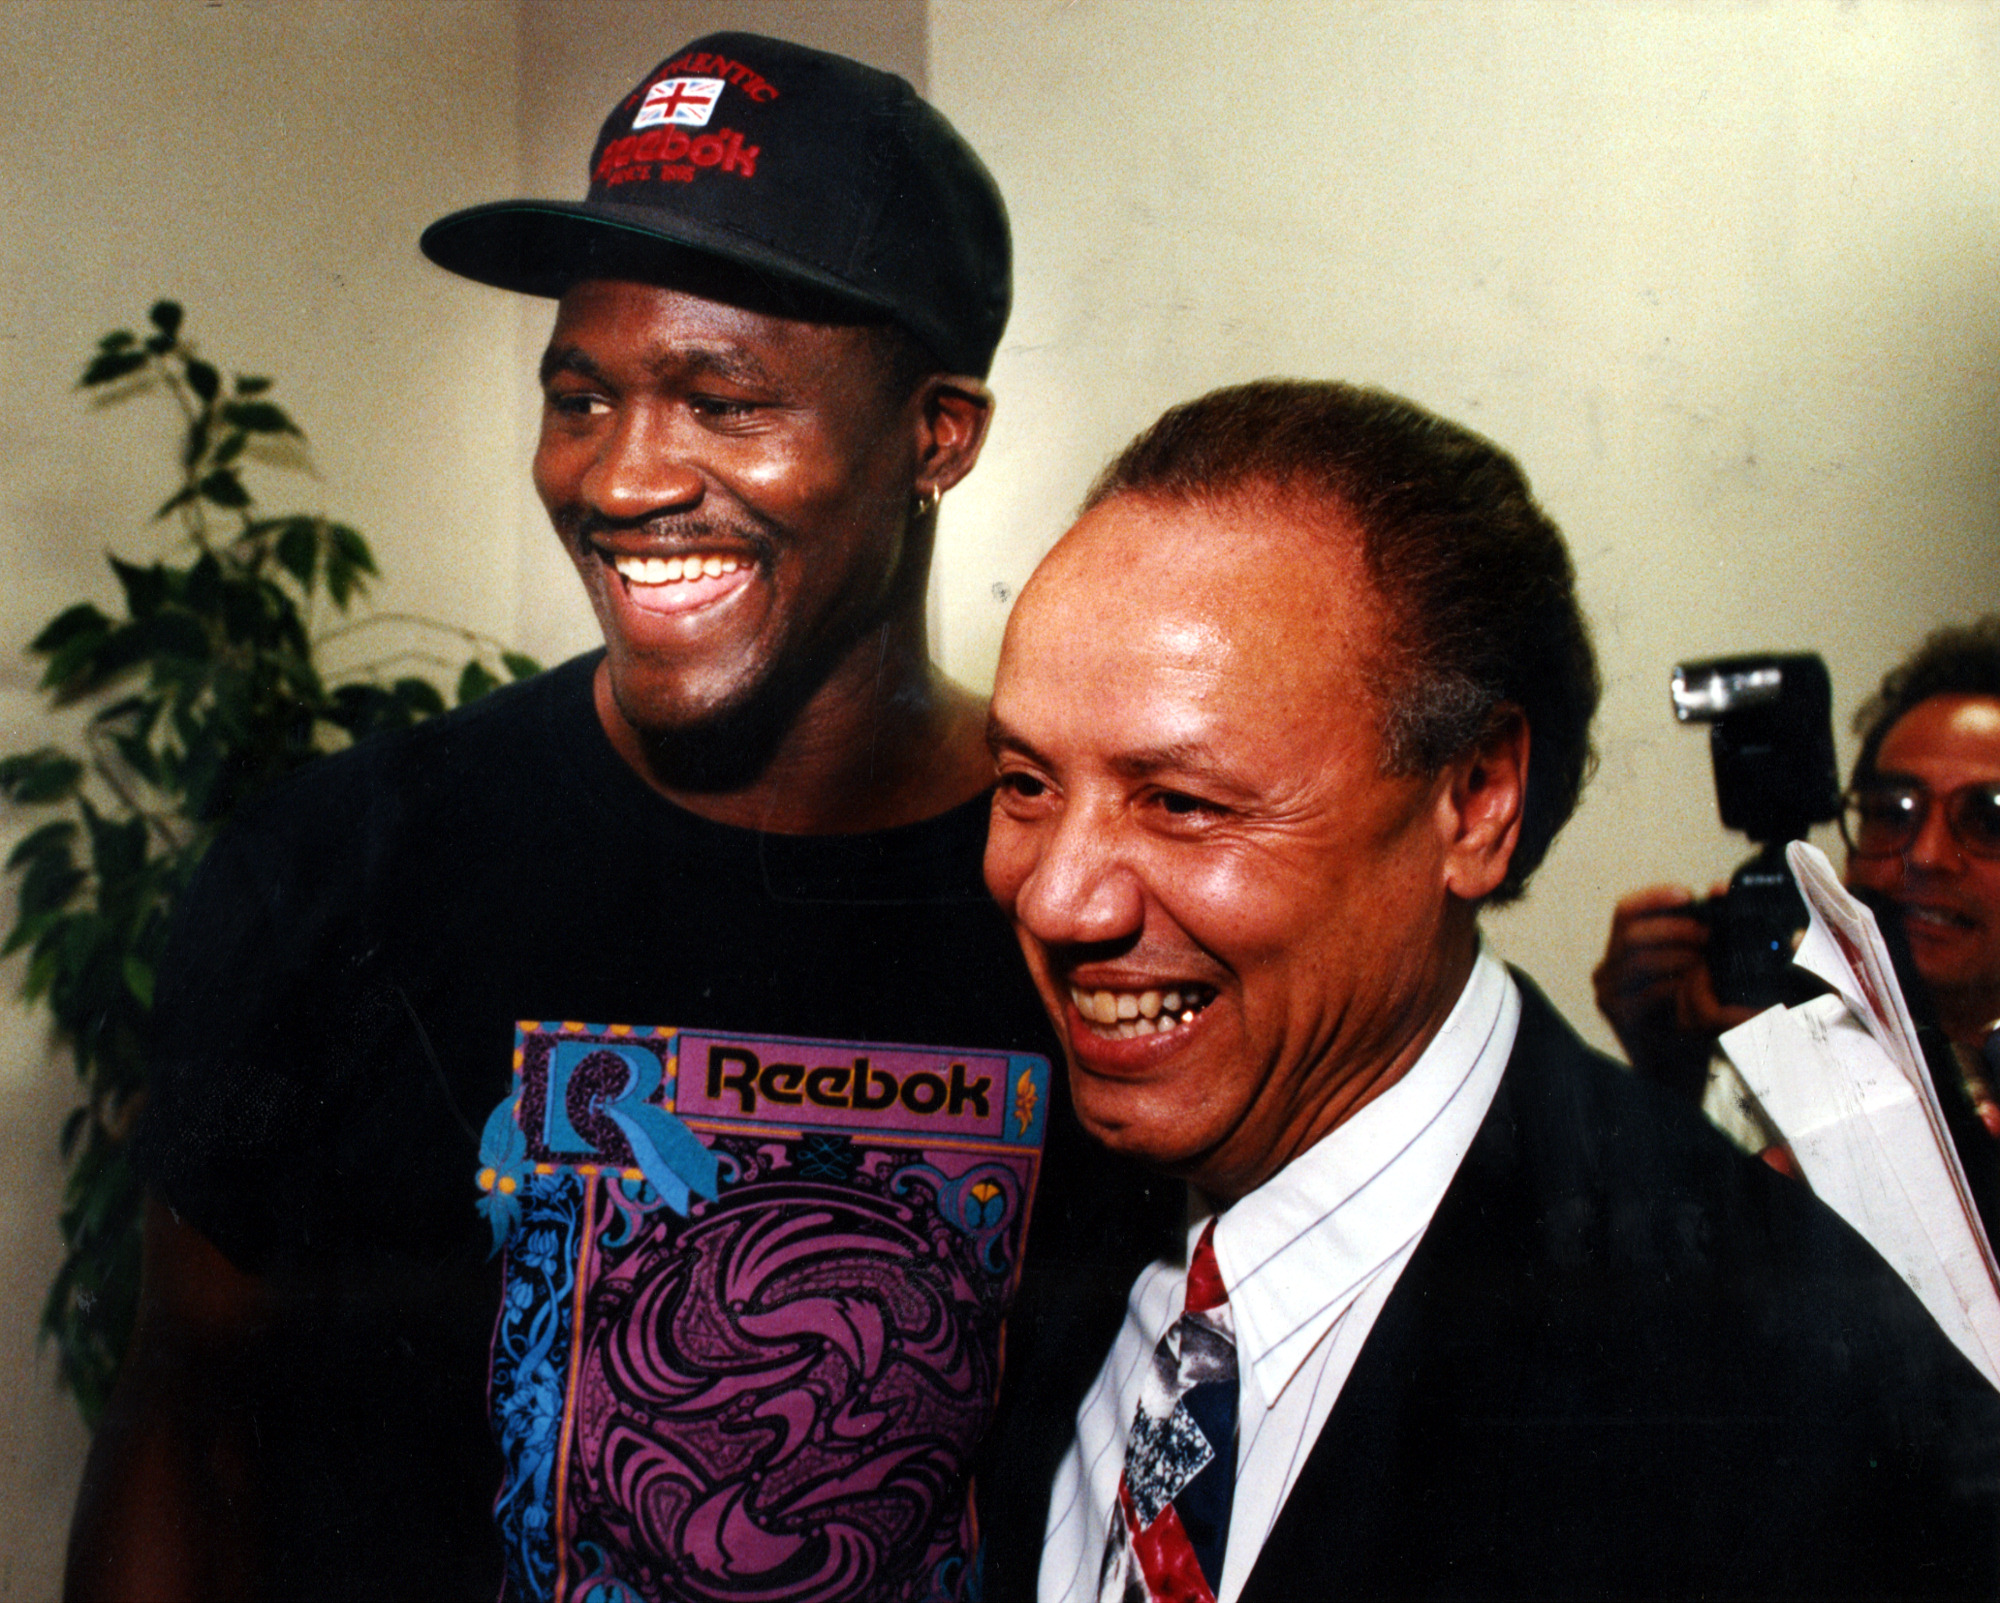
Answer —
(1128, 1015)
(1937, 918)
(680, 583)
(675, 570)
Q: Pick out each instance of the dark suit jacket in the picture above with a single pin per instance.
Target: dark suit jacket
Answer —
(1627, 1361)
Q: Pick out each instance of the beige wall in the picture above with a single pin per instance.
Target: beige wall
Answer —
(1722, 276)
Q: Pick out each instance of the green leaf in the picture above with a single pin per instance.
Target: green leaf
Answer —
(341, 580)
(247, 612)
(166, 316)
(202, 592)
(348, 542)
(420, 696)
(109, 366)
(117, 846)
(119, 339)
(72, 623)
(50, 840)
(129, 725)
(72, 1127)
(81, 937)
(225, 489)
(230, 448)
(250, 384)
(298, 550)
(199, 773)
(257, 417)
(171, 634)
(137, 756)
(291, 658)
(145, 588)
(362, 709)
(203, 379)
(41, 974)
(179, 498)
(83, 664)
(48, 885)
(28, 929)
(197, 443)
(229, 715)
(475, 681)
(520, 665)
(86, 661)
(40, 776)
(144, 708)
(139, 980)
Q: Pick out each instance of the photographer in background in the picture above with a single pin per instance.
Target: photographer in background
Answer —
(1922, 825)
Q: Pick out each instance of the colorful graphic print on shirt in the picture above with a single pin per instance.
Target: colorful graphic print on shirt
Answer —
(750, 1329)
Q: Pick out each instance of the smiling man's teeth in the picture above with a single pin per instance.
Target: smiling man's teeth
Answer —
(672, 570)
(1126, 1015)
(1943, 917)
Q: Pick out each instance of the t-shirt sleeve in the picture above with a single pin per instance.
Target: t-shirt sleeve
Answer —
(261, 964)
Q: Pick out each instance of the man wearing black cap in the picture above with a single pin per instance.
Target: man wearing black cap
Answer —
(593, 1136)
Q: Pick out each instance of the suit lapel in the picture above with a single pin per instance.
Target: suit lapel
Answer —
(1370, 1501)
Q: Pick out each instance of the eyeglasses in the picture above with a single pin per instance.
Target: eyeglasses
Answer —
(1884, 820)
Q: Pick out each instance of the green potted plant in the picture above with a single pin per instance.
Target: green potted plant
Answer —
(205, 689)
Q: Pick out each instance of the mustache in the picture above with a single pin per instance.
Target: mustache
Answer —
(581, 526)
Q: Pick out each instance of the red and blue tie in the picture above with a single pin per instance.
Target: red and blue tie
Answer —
(1166, 1545)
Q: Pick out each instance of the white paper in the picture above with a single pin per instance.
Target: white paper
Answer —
(1843, 1080)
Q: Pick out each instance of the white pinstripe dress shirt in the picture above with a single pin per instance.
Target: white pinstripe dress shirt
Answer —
(1309, 1258)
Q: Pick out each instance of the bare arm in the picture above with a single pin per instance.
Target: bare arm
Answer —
(166, 1507)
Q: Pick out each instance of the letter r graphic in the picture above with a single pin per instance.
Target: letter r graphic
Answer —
(643, 1075)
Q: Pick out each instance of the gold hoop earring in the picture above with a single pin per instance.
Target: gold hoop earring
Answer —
(927, 501)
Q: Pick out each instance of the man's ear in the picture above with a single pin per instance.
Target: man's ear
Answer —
(952, 413)
(1481, 803)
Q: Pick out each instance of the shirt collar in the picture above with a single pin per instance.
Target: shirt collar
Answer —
(1297, 1251)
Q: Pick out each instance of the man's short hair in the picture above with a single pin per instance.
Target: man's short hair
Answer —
(1478, 585)
(1961, 659)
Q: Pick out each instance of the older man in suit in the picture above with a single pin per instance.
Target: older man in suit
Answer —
(1464, 1310)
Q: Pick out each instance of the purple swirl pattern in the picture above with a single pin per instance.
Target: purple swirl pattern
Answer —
(778, 1397)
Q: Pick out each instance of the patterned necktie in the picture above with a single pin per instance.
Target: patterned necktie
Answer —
(1180, 1469)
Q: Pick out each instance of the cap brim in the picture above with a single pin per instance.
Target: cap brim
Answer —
(542, 247)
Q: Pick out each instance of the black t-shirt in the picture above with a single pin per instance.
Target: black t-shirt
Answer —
(339, 1027)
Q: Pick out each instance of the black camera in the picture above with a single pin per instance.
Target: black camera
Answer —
(1770, 737)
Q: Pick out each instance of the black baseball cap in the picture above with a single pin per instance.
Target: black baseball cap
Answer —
(755, 170)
